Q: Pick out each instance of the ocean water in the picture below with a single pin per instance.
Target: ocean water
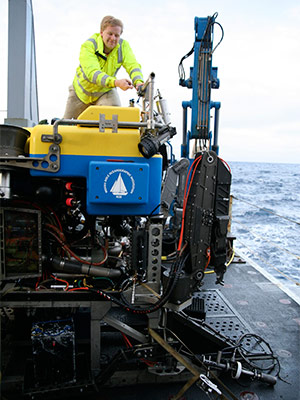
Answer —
(266, 218)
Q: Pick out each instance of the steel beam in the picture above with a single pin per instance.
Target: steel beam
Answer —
(22, 96)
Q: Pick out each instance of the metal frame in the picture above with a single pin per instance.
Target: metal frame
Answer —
(3, 272)
(203, 78)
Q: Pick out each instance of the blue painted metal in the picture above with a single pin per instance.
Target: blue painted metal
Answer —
(171, 155)
(118, 183)
(203, 78)
(130, 186)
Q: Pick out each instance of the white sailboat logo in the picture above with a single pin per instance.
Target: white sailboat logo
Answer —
(119, 188)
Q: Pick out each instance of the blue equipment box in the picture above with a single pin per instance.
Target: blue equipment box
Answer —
(118, 183)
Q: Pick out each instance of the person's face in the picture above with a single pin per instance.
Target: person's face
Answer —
(111, 36)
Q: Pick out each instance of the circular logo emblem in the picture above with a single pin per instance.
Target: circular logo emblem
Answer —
(119, 183)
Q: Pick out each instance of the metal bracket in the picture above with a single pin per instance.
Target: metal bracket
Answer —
(98, 311)
(207, 385)
(175, 173)
(57, 138)
(49, 163)
(122, 327)
(108, 123)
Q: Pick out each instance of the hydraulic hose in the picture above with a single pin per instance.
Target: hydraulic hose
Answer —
(175, 273)
(73, 267)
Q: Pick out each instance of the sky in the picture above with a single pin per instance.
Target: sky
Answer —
(258, 63)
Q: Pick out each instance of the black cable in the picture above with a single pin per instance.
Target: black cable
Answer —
(210, 23)
(244, 353)
(153, 211)
(173, 278)
(181, 71)
(222, 36)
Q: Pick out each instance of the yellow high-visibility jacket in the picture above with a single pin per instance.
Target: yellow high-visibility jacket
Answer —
(96, 72)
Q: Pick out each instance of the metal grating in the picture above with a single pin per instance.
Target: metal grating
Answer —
(230, 327)
(221, 316)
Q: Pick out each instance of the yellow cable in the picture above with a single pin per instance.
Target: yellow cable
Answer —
(226, 265)
(231, 259)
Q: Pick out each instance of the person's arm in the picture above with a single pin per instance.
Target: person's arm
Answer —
(131, 65)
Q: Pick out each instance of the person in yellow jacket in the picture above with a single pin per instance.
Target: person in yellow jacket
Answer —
(101, 57)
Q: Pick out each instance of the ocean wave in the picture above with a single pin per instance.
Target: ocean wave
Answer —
(275, 190)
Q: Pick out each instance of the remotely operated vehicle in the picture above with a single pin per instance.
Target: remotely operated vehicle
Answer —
(105, 242)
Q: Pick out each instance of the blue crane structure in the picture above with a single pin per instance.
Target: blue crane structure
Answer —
(203, 78)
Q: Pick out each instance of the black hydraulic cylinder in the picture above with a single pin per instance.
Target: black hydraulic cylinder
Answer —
(73, 267)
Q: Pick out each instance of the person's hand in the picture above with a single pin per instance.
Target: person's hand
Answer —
(123, 84)
(138, 85)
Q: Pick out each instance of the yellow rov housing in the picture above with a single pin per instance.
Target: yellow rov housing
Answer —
(119, 180)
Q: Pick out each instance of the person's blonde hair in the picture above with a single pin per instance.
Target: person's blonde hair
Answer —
(110, 21)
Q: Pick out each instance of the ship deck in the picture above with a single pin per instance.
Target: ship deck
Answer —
(248, 302)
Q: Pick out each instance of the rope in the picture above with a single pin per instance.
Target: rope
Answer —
(267, 240)
(265, 209)
(270, 265)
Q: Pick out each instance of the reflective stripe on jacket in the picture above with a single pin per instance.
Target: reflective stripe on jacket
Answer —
(96, 72)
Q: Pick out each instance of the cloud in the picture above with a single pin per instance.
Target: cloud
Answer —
(258, 61)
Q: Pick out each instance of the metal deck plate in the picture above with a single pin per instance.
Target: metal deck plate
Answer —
(221, 316)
